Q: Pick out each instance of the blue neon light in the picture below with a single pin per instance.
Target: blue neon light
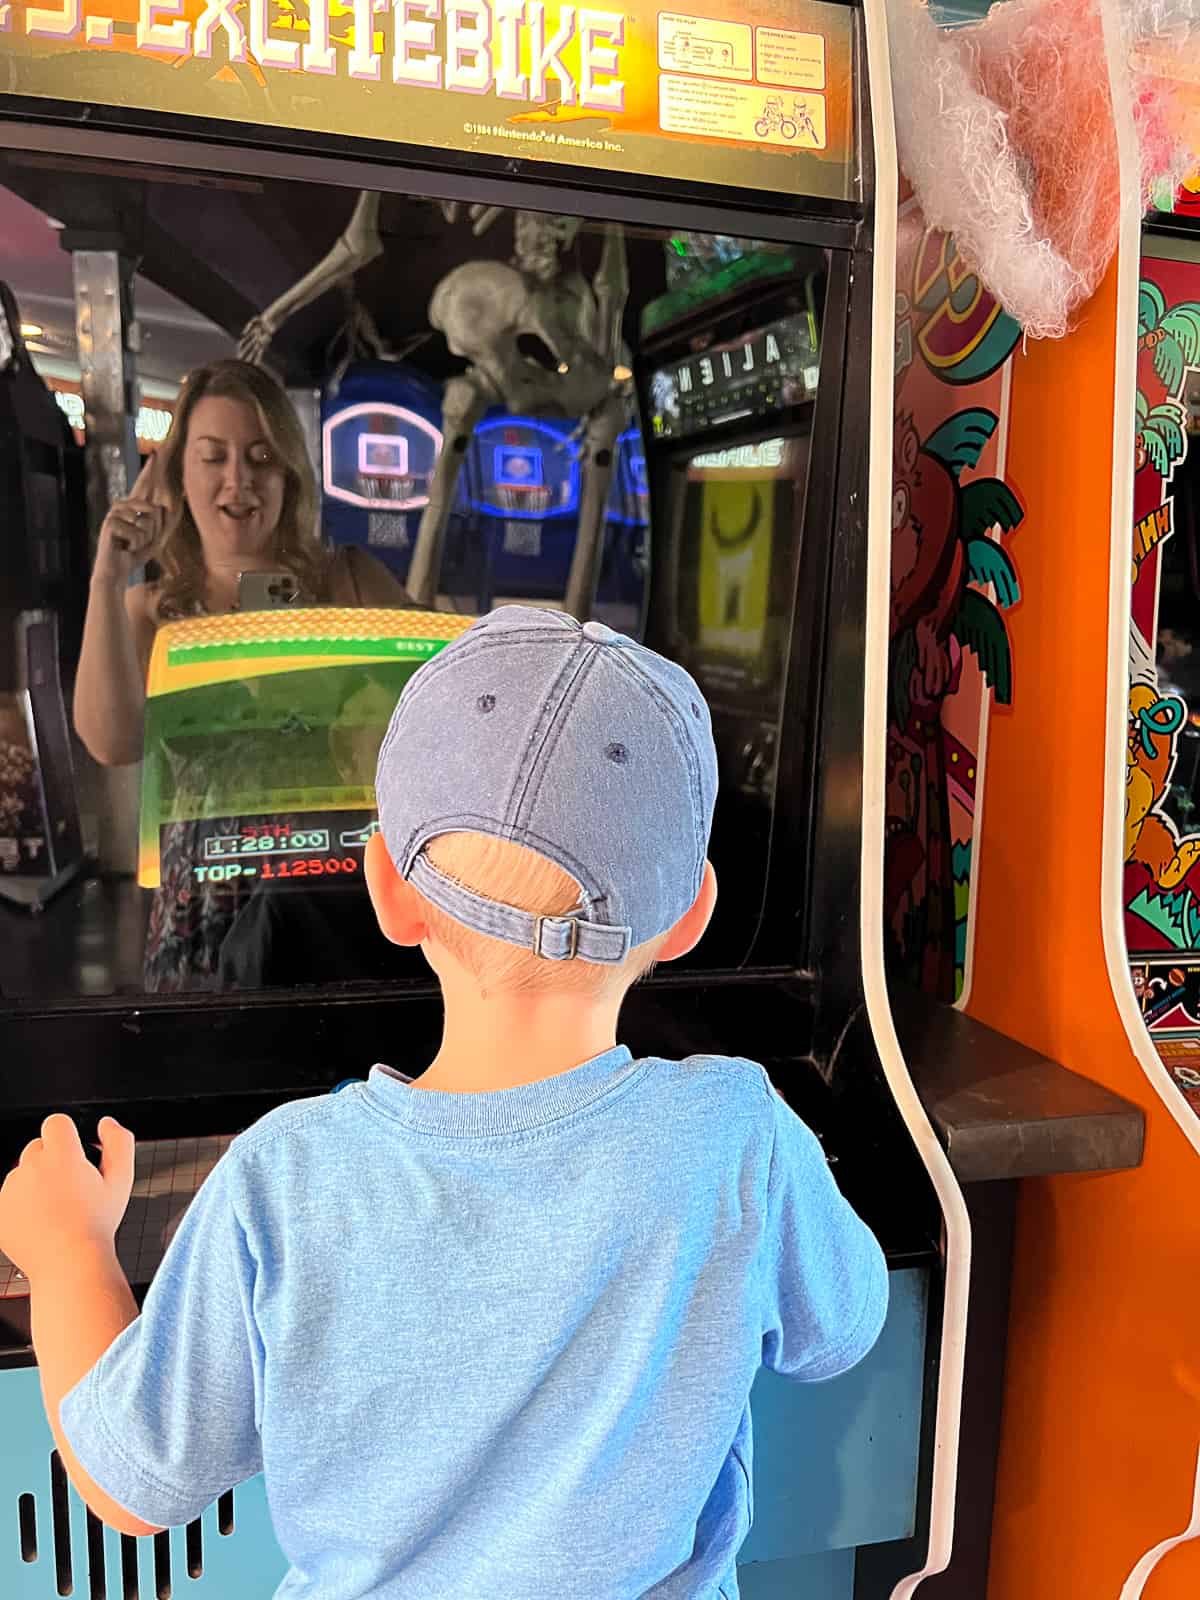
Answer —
(552, 458)
(630, 479)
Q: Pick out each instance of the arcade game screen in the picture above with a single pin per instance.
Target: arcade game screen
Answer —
(739, 509)
(214, 843)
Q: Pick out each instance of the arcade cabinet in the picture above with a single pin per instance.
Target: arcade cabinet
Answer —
(1116, 828)
(42, 580)
(765, 385)
(1039, 774)
(730, 439)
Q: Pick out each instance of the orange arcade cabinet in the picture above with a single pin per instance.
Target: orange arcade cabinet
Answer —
(1043, 848)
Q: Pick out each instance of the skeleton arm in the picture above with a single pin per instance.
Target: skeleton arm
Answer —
(357, 247)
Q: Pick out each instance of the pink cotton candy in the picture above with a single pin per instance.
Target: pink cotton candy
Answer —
(1006, 132)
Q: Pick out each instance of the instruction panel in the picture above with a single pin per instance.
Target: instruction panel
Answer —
(694, 52)
(796, 60)
(703, 45)
(740, 111)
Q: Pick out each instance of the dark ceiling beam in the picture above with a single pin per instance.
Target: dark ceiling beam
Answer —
(115, 214)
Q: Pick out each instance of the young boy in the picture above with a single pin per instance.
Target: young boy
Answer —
(492, 1332)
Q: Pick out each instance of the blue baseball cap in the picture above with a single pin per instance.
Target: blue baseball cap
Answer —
(574, 741)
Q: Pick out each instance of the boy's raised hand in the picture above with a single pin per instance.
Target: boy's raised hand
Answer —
(55, 1202)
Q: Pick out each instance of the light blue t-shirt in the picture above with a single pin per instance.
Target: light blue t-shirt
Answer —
(494, 1344)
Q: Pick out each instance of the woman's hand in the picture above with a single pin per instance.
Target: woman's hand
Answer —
(130, 531)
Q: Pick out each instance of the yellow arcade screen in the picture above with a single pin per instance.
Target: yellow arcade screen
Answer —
(736, 519)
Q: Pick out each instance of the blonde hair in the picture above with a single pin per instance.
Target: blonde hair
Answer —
(519, 877)
(180, 588)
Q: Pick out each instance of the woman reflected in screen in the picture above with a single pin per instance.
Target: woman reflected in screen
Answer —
(231, 491)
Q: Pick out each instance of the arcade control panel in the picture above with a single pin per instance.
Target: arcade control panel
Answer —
(166, 1176)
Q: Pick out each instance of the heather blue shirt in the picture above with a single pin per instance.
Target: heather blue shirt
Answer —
(490, 1344)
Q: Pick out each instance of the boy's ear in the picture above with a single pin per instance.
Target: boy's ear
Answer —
(689, 930)
(397, 905)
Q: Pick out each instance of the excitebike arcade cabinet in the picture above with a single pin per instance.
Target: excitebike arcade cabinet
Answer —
(765, 391)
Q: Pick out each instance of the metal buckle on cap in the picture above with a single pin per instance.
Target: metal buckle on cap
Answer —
(572, 942)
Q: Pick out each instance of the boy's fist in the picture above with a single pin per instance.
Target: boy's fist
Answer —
(55, 1203)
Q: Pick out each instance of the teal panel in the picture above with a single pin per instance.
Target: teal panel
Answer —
(829, 1576)
(835, 1464)
(244, 1564)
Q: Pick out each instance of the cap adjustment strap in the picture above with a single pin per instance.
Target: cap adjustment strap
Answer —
(553, 938)
(561, 926)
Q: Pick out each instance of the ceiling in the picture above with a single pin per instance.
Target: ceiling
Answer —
(213, 251)
(174, 337)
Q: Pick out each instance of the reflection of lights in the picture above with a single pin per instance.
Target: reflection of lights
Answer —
(72, 405)
(622, 374)
(153, 423)
(748, 457)
(31, 330)
(53, 222)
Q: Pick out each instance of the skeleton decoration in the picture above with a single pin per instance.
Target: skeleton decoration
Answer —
(539, 340)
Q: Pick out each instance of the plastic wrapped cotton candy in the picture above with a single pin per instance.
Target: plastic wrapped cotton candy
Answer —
(1006, 134)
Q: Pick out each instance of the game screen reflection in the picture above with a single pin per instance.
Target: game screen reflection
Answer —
(230, 858)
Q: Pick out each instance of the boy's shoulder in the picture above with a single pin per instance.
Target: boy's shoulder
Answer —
(296, 1121)
(733, 1088)
(726, 1083)
(738, 1073)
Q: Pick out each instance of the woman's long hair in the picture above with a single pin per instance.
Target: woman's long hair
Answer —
(298, 547)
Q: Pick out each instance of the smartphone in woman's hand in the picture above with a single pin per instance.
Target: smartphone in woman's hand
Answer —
(267, 591)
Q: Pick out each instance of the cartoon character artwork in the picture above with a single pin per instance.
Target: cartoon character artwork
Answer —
(946, 554)
(1162, 903)
(1162, 853)
(951, 580)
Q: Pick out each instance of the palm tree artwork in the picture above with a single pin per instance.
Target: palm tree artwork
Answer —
(951, 581)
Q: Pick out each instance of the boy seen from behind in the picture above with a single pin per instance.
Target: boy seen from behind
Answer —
(491, 1331)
